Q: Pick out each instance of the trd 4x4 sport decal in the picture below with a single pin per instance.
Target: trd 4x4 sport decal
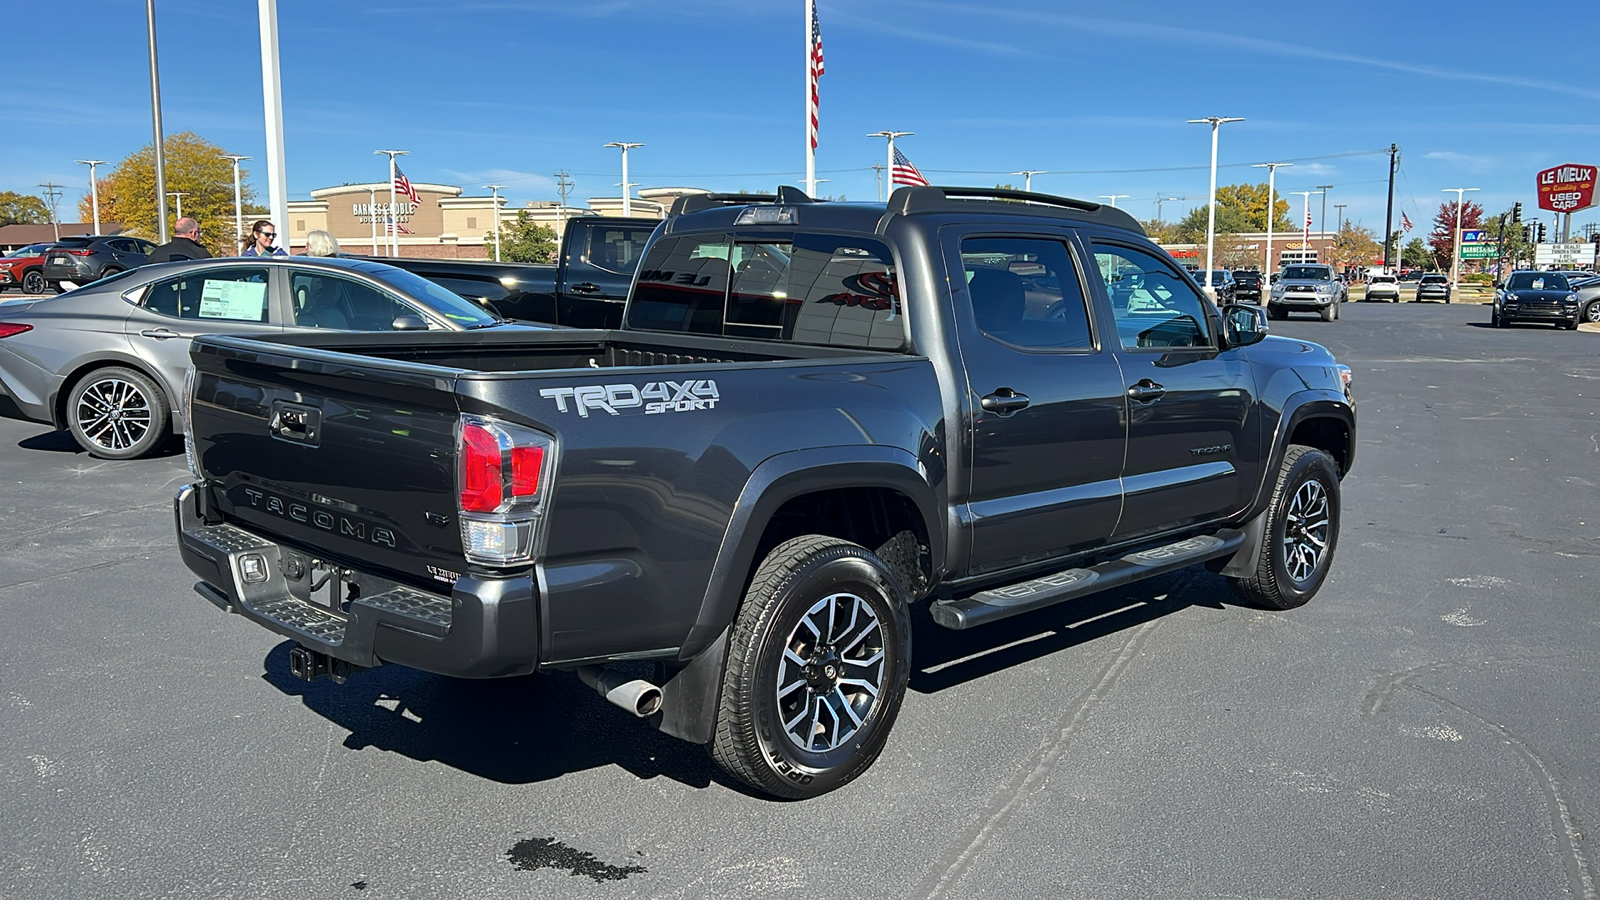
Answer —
(655, 397)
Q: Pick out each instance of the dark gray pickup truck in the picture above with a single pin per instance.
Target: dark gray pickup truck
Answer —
(814, 416)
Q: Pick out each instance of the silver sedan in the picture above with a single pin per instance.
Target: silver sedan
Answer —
(107, 361)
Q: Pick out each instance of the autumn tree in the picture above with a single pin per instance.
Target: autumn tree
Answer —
(1443, 239)
(22, 209)
(196, 168)
(523, 240)
(1251, 199)
(1354, 245)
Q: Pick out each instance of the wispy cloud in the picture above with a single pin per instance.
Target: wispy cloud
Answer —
(885, 26)
(522, 182)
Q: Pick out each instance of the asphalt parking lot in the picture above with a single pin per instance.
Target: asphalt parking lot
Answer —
(1426, 727)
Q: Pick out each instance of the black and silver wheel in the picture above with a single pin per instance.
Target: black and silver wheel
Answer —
(817, 667)
(1591, 313)
(33, 282)
(1302, 530)
(117, 413)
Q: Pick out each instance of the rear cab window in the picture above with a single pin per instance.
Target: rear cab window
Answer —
(800, 287)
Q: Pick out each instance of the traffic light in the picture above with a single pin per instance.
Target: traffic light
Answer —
(1516, 212)
(1538, 230)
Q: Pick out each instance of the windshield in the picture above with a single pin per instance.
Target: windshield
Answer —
(1383, 279)
(1307, 273)
(441, 300)
(1537, 281)
(30, 250)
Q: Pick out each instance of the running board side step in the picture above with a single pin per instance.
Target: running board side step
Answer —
(1069, 584)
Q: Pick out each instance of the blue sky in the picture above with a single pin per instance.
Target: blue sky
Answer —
(1483, 95)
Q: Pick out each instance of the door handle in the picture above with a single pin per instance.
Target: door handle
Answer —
(1146, 390)
(159, 334)
(1005, 401)
(585, 287)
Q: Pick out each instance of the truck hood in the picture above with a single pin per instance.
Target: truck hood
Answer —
(1293, 353)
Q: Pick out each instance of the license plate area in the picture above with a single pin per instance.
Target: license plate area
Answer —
(60, 261)
(319, 582)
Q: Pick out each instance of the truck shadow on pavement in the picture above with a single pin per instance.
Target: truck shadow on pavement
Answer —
(942, 658)
(509, 730)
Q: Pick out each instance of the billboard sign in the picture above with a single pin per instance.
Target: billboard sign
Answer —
(1566, 188)
(1473, 236)
(1566, 256)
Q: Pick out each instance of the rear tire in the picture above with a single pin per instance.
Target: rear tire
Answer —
(1591, 313)
(818, 662)
(1302, 531)
(109, 271)
(117, 413)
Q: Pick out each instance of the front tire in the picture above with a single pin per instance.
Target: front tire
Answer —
(1591, 313)
(117, 413)
(818, 663)
(1328, 313)
(33, 282)
(1302, 531)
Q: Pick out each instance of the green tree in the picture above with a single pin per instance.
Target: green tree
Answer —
(22, 209)
(1513, 242)
(196, 168)
(1415, 255)
(1191, 229)
(1160, 232)
(524, 241)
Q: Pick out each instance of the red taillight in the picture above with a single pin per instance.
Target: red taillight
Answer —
(480, 470)
(79, 252)
(7, 329)
(525, 465)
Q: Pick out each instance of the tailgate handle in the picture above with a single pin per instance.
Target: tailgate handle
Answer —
(295, 423)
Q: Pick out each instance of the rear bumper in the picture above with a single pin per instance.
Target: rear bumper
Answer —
(484, 628)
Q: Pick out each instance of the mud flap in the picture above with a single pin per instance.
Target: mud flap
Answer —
(689, 699)
(1243, 564)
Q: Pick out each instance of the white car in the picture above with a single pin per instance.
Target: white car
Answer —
(1384, 287)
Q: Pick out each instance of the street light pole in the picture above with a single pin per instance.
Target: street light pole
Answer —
(390, 222)
(1027, 178)
(155, 121)
(179, 195)
(238, 200)
(1113, 198)
(627, 189)
(1272, 207)
(1322, 225)
(1455, 242)
(1306, 239)
(94, 188)
(496, 188)
(888, 161)
(1211, 201)
(272, 101)
(1340, 208)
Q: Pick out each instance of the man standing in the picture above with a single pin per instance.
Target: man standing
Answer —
(185, 243)
(262, 235)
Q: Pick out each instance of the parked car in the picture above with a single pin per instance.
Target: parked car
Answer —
(107, 361)
(584, 288)
(1433, 287)
(87, 258)
(1527, 296)
(813, 416)
(1588, 300)
(1306, 288)
(1222, 285)
(24, 268)
(1247, 285)
(1384, 287)
(1410, 274)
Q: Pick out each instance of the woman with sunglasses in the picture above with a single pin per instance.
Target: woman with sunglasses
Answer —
(262, 234)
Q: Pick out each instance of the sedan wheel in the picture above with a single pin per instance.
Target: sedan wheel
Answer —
(117, 413)
(1591, 313)
(33, 282)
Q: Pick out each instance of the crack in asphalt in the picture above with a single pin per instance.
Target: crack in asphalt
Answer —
(13, 539)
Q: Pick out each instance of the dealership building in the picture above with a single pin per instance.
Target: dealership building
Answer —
(441, 223)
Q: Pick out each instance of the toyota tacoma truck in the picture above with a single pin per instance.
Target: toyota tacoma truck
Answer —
(1306, 288)
(813, 417)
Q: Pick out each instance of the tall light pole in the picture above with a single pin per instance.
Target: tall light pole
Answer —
(496, 188)
(888, 161)
(1322, 225)
(1306, 239)
(1211, 200)
(155, 121)
(877, 169)
(1272, 207)
(272, 97)
(627, 188)
(238, 200)
(389, 221)
(179, 195)
(1455, 242)
(1339, 208)
(1027, 177)
(372, 212)
(1113, 198)
(94, 188)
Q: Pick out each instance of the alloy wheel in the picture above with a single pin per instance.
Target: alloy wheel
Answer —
(33, 282)
(1305, 531)
(114, 414)
(831, 673)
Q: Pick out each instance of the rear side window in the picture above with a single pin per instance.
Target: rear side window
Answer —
(1025, 292)
(805, 288)
(617, 248)
(234, 295)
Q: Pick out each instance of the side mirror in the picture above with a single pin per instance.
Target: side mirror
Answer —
(408, 323)
(1499, 285)
(1243, 325)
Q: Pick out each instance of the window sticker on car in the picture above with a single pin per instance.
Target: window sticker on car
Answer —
(1538, 284)
(233, 300)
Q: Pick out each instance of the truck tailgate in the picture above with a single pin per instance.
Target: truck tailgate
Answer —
(351, 457)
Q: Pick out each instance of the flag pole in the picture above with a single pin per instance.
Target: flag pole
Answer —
(811, 152)
(372, 213)
(394, 238)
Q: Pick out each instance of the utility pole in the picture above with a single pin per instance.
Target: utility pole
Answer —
(1113, 198)
(877, 169)
(496, 188)
(1322, 224)
(627, 189)
(564, 185)
(1388, 215)
(1161, 198)
(52, 193)
(155, 120)
(1272, 207)
(1027, 179)
(238, 200)
(94, 188)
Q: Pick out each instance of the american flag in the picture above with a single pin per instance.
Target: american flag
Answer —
(905, 173)
(402, 185)
(1405, 221)
(391, 226)
(813, 73)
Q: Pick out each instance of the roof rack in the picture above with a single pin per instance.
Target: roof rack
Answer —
(690, 203)
(912, 200)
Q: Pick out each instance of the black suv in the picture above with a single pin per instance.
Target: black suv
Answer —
(1247, 285)
(90, 257)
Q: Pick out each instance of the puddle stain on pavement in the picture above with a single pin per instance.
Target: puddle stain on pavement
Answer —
(549, 853)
